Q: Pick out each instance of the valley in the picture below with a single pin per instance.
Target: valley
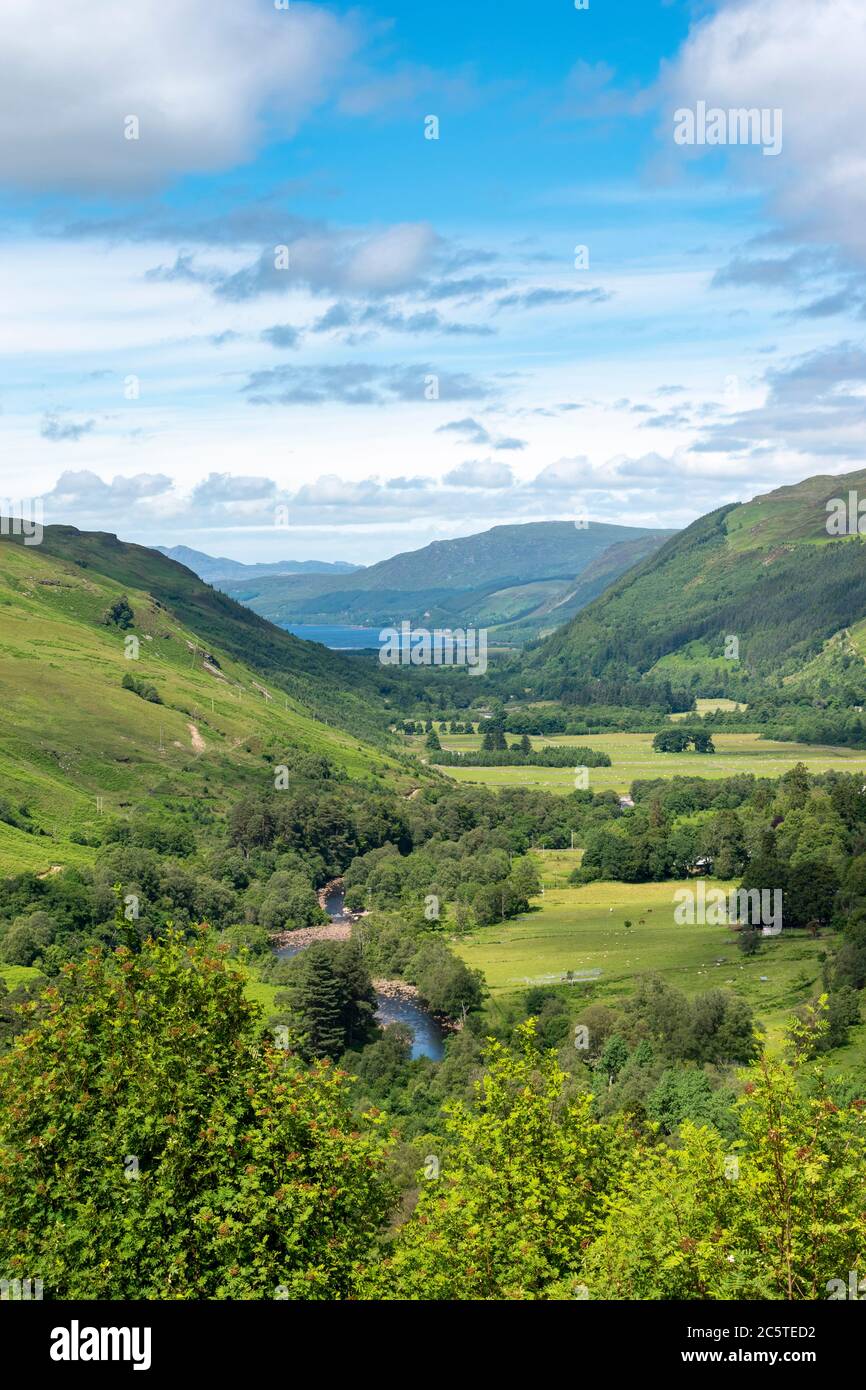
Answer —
(432, 676)
(180, 780)
(518, 580)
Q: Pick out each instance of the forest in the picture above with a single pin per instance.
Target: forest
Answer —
(302, 1148)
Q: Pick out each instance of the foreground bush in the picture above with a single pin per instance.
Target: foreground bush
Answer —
(518, 1195)
(153, 1146)
(778, 1215)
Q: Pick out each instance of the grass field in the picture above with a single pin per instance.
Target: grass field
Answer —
(15, 975)
(582, 929)
(633, 759)
(709, 707)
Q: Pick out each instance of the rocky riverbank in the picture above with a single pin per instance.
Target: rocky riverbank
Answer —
(410, 994)
(333, 886)
(305, 936)
(397, 989)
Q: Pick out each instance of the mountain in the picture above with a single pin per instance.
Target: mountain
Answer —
(558, 609)
(235, 695)
(765, 572)
(214, 568)
(506, 576)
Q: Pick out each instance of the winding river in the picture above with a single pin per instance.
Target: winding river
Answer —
(428, 1039)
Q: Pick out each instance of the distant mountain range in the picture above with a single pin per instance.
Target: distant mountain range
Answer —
(520, 580)
(213, 568)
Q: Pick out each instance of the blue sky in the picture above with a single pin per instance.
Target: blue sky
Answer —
(437, 357)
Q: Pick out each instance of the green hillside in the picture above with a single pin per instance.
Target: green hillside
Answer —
(564, 601)
(765, 571)
(319, 678)
(506, 574)
(71, 734)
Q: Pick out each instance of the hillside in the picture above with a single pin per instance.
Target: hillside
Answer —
(70, 733)
(212, 568)
(765, 571)
(335, 693)
(500, 576)
(567, 600)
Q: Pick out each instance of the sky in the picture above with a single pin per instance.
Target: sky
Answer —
(301, 281)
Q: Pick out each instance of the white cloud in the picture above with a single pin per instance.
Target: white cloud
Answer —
(565, 474)
(83, 491)
(486, 473)
(203, 81)
(808, 61)
(371, 263)
(392, 259)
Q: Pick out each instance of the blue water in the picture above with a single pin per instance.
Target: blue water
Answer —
(428, 1040)
(339, 639)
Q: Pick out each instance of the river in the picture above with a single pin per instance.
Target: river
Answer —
(428, 1039)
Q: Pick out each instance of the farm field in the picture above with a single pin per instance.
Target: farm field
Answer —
(633, 760)
(15, 975)
(582, 929)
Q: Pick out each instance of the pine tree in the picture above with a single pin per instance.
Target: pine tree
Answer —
(319, 1003)
(494, 738)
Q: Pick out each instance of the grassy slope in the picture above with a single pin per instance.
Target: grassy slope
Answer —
(766, 570)
(69, 732)
(319, 678)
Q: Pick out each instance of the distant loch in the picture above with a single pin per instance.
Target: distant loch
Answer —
(339, 639)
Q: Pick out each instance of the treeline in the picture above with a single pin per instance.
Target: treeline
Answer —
(843, 728)
(514, 756)
(627, 693)
(421, 726)
(595, 720)
(529, 1192)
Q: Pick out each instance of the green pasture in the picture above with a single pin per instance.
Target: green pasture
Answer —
(583, 929)
(633, 759)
